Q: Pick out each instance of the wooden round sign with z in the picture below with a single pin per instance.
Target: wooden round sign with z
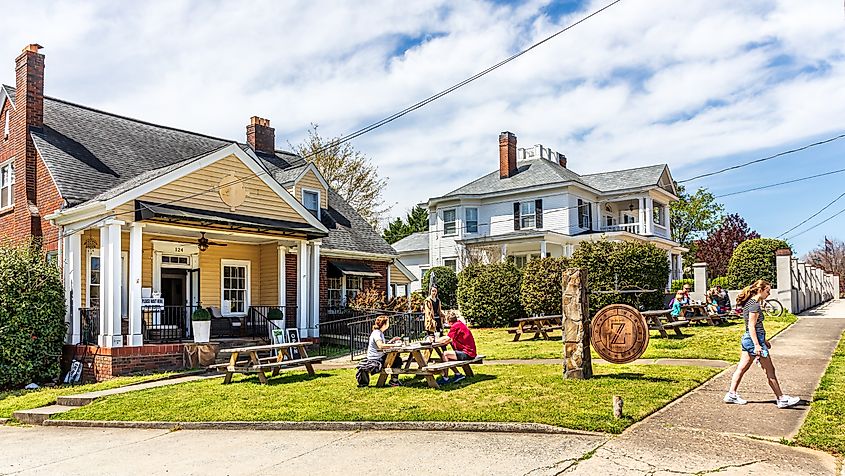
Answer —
(619, 333)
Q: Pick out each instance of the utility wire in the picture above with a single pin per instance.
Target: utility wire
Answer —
(756, 161)
(387, 119)
(825, 174)
(818, 224)
(813, 215)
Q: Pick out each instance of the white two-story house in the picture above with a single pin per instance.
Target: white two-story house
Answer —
(534, 206)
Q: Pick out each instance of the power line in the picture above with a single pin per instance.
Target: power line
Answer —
(390, 118)
(818, 224)
(756, 161)
(777, 184)
(813, 215)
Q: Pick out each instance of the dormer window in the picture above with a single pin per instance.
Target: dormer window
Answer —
(311, 200)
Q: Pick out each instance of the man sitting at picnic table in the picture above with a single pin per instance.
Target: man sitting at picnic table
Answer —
(464, 344)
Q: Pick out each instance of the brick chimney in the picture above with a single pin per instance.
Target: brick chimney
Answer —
(28, 116)
(507, 155)
(260, 136)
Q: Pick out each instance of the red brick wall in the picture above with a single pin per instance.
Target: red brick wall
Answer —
(99, 363)
(290, 288)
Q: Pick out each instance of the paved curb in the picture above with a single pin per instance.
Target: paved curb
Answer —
(331, 426)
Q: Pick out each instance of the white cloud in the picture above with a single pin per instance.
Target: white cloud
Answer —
(643, 82)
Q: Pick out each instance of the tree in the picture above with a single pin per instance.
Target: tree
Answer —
(415, 221)
(830, 256)
(716, 250)
(349, 172)
(693, 217)
(753, 260)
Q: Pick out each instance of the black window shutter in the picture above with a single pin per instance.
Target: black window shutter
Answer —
(538, 213)
(516, 216)
(590, 214)
(580, 213)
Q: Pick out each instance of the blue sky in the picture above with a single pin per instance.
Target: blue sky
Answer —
(699, 85)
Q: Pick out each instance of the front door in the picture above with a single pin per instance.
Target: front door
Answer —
(174, 292)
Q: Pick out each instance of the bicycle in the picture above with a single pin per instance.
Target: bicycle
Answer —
(772, 308)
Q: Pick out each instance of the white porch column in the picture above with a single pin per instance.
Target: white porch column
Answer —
(282, 253)
(504, 249)
(110, 274)
(73, 285)
(649, 216)
(136, 339)
(542, 249)
(302, 289)
(314, 320)
(671, 268)
(389, 287)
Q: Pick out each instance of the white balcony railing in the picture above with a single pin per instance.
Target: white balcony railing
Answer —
(629, 227)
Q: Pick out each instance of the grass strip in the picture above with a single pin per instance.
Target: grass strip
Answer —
(824, 428)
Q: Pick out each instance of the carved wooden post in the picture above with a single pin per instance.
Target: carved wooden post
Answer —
(576, 325)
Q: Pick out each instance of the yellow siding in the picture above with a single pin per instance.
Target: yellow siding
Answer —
(310, 181)
(210, 271)
(397, 277)
(269, 276)
(260, 201)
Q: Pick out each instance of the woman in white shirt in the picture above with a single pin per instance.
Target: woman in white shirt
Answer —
(377, 344)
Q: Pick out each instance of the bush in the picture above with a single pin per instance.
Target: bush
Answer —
(541, 291)
(630, 264)
(447, 285)
(679, 284)
(275, 314)
(200, 315)
(722, 281)
(32, 317)
(488, 295)
(753, 260)
(369, 298)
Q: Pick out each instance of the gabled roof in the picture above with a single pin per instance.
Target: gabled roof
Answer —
(8, 91)
(348, 231)
(540, 172)
(414, 242)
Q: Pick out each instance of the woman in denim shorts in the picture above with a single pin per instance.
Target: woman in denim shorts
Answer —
(755, 347)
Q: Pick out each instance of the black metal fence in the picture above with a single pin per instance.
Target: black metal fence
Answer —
(167, 323)
(89, 325)
(351, 335)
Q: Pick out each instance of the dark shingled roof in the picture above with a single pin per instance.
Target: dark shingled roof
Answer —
(95, 155)
(538, 172)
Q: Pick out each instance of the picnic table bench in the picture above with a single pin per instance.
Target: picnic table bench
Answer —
(287, 356)
(655, 320)
(699, 313)
(420, 362)
(539, 325)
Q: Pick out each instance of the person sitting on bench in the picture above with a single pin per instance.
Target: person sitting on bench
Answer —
(464, 344)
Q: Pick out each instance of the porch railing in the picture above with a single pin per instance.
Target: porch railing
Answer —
(167, 323)
(629, 227)
(259, 324)
(89, 325)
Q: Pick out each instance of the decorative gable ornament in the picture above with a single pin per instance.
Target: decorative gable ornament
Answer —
(232, 191)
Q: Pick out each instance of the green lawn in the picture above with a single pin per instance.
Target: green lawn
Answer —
(515, 393)
(14, 400)
(700, 341)
(824, 428)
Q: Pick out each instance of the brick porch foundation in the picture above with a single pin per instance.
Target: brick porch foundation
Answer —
(100, 363)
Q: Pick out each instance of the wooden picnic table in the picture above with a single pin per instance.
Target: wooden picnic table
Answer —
(288, 355)
(699, 313)
(539, 325)
(421, 362)
(655, 322)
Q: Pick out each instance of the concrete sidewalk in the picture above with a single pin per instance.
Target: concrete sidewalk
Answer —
(700, 433)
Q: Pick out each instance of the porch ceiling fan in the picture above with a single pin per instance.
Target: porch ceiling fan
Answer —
(203, 243)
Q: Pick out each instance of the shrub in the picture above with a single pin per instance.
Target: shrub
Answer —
(679, 284)
(200, 315)
(722, 281)
(488, 294)
(629, 264)
(275, 314)
(447, 284)
(541, 291)
(753, 260)
(32, 316)
(369, 298)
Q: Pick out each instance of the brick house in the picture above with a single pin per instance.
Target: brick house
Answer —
(149, 222)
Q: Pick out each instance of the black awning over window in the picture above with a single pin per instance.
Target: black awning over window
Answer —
(339, 268)
(148, 211)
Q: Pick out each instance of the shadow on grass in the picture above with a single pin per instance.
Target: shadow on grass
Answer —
(635, 376)
(536, 339)
(422, 384)
(286, 378)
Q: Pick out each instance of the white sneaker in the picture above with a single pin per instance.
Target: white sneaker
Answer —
(734, 398)
(785, 401)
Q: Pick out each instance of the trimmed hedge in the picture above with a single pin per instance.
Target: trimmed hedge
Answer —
(32, 317)
(722, 281)
(753, 260)
(541, 291)
(679, 284)
(447, 284)
(632, 264)
(488, 294)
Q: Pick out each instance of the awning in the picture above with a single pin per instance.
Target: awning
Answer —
(352, 269)
(216, 220)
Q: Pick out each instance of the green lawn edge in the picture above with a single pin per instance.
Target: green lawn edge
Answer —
(500, 393)
(824, 427)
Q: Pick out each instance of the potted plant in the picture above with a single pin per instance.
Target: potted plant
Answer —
(276, 320)
(201, 324)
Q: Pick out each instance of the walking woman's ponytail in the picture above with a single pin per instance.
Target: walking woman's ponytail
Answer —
(750, 291)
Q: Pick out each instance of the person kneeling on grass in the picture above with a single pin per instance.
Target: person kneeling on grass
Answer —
(464, 344)
(376, 356)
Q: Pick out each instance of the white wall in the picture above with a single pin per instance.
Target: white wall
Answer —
(414, 261)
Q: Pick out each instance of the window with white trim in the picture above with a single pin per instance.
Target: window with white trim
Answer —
(527, 214)
(311, 200)
(451, 263)
(92, 291)
(449, 225)
(334, 288)
(7, 184)
(6, 127)
(585, 214)
(354, 285)
(471, 225)
(659, 211)
(521, 260)
(235, 286)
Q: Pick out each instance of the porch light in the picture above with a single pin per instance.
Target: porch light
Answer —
(630, 207)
